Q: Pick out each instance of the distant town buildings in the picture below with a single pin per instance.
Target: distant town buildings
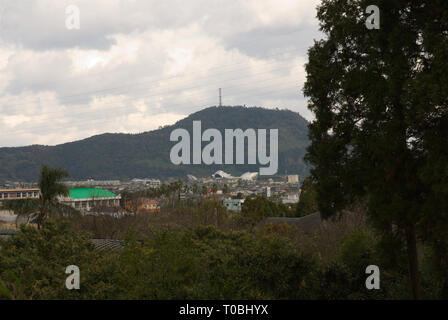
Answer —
(92, 183)
(291, 198)
(247, 176)
(14, 194)
(293, 179)
(151, 183)
(104, 196)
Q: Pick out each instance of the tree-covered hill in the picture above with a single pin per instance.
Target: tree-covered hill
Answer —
(123, 156)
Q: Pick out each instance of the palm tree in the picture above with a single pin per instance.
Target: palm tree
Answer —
(178, 187)
(50, 190)
(225, 189)
(204, 190)
(195, 188)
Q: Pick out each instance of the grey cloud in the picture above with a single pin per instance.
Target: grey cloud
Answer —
(266, 42)
(230, 48)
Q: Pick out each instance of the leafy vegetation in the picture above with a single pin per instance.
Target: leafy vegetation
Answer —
(308, 198)
(257, 208)
(381, 128)
(202, 262)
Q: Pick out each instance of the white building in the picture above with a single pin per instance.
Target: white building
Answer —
(17, 194)
(152, 183)
(291, 198)
(293, 178)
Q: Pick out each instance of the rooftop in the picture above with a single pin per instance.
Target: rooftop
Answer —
(88, 193)
(19, 189)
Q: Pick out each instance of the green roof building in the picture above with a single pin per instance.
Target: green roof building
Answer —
(84, 199)
(88, 193)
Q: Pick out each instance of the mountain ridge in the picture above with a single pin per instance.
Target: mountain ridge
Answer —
(146, 154)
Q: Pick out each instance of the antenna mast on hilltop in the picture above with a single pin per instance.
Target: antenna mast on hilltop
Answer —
(220, 98)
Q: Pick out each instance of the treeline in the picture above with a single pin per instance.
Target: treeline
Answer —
(277, 262)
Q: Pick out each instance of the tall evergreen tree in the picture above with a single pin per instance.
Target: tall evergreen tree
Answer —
(380, 98)
(307, 204)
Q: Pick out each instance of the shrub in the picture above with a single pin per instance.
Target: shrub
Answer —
(356, 250)
(39, 259)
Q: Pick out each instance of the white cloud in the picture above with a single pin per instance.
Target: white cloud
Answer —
(137, 65)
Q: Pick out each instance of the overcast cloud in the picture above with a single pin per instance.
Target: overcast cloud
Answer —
(136, 65)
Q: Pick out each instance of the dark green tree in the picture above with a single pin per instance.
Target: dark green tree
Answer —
(380, 98)
(195, 188)
(204, 190)
(260, 207)
(307, 203)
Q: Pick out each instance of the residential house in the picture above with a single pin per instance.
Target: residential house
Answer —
(142, 205)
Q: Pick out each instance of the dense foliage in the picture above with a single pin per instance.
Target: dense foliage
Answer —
(381, 131)
(259, 207)
(200, 263)
(308, 198)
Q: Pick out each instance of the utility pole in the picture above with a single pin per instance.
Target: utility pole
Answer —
(220, 98)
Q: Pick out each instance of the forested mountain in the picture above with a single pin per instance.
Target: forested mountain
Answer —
(123, 156)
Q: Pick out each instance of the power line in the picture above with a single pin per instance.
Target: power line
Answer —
(178, 90)
(220, 67)
(82, 95)
(110, 110)
(104, 120)
(134, 98)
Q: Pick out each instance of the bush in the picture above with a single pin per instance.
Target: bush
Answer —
(202, 263)
(38, 258)
(356, 251)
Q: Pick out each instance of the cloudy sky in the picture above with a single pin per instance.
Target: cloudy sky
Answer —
(133, 66)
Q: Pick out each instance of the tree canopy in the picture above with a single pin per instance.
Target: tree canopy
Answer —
(381, 103)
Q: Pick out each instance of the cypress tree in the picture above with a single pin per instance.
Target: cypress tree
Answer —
(380, 98)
